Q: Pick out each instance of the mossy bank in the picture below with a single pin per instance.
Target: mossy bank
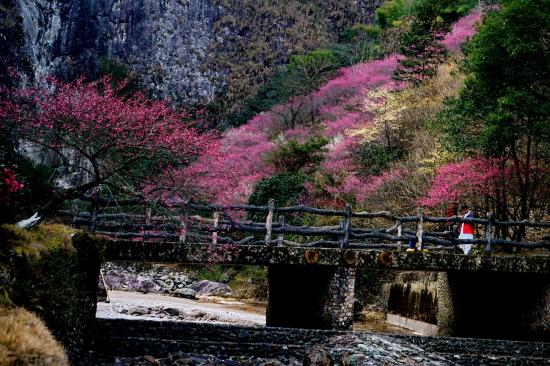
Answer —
(52, 271)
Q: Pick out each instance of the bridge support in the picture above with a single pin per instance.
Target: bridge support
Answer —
(494, 305)
(314, 297)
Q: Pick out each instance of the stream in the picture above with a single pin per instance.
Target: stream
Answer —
(151, 306)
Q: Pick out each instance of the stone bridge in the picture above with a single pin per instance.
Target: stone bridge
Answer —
(492, 296)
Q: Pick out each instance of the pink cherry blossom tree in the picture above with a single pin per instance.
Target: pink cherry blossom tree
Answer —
(469, 179)
(96, 132)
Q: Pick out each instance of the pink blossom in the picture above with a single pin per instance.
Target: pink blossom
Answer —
(95, 124)
(228, 174)
(463, 29)
(8, 186)
(455, 181)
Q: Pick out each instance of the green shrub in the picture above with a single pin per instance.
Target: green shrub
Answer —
(294, 156)
(373, 159)
(391, 12)
(283, 188)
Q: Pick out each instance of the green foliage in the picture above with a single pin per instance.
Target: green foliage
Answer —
(283, 188)
(373, 159)
(359, 32)
(294, 156)
(247, 282)
(393, 12)
(33, 242)
(421, 44)
(367, 30)
(506, 99)
(503, 110)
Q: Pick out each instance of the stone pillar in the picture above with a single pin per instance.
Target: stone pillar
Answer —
(494, 305)
(314, 297)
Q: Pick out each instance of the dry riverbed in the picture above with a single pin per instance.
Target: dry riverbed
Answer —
(135, 305)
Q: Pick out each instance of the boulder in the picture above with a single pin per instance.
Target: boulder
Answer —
(172, 311)
(186, 293)
(210, 288)
(131, 282)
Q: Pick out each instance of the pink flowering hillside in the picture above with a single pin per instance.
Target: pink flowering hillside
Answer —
(336, 111)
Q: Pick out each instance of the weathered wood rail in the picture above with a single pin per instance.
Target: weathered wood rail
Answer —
(187, 222)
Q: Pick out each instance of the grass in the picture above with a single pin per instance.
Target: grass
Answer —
(25, 340)
(36, 241)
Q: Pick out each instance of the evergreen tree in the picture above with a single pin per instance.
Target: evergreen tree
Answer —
(422, 50)
(504, 109)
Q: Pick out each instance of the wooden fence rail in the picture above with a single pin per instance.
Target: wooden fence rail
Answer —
(178, 223)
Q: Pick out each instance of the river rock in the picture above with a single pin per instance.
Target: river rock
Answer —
(138, 311)
(186, 293)
(130, 282)
(371, 349)
(172, 311)
(210, 288)
(153, 278)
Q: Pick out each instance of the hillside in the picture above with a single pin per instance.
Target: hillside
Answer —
(434, 104)
(362, 137)
(188, 51)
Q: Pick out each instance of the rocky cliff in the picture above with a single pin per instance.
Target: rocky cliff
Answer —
(188, 50)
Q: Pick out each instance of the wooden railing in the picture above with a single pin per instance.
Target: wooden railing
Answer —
(134, 220)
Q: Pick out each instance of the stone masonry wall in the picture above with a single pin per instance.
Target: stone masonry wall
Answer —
(337, 304)
(131, 338)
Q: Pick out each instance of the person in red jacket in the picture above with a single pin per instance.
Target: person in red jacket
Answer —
(466, 230)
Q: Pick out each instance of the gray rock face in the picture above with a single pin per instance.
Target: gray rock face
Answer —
(170, 45)
(164, 42)
(210, 288)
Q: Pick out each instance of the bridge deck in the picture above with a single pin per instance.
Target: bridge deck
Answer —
(121, 250)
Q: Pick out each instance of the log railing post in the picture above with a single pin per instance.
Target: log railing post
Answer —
(269, 221)
(420, 230)
(281, 236)
(489, 233)
(346, 227)
(215, 233)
